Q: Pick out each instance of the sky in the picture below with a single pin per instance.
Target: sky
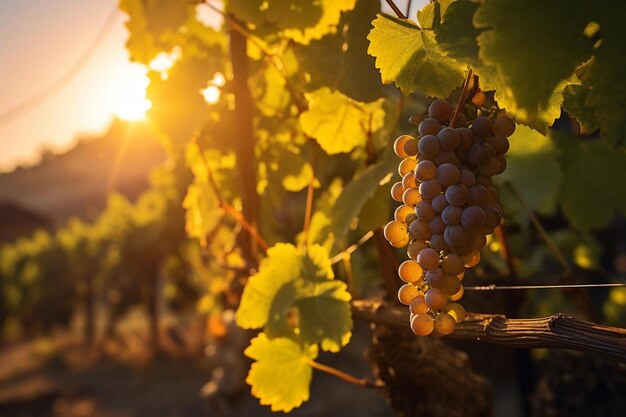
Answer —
(40, 41)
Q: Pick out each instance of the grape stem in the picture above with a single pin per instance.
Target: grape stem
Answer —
(462, 98)
(395, 9)
(362, 382)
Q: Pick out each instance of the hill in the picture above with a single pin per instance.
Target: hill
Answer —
(77, 182)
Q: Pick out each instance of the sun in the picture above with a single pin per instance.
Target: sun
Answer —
(128, 93)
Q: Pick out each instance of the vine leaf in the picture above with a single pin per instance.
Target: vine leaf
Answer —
(533, 169)
(530, 47)
(339, 123)
(456, 34)
(429, 17)
(592, 172)
(298, 20)
(294, 295)
(281, 374)
(576, 103)
(357, 193)
(412, 59)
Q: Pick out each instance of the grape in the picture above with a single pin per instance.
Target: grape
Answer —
(409, 180)
(452, 264)
(455, 235)
(465, 248)
(422, 324)
(401, 213)
(425, 170)
(451, 215)
(478, 196)
(467, 178)
(462, 274)
(493, 217)
(478, 241)
(439, 203)
(410, 272)
(407, 293)
(447, 157)
(500, 143)
(466, 138)
(418, 306)
(411, 197)
(416, 119)
(502, 161)
(438, 242)
(425, 210)
(473, 218)
(448, 138)
(435, 299)
(461, 120)
(396, 233)
(416, 247)
(428, 258)
(434, 275)
(472, 259)
(419, 230)
(429, 126)
(430, 189)
(491, 167)
(437, 226)
(440, 110)
(398, 145)
(396, 191)
(410, 147)
(503, 126)
(478, 154)
(444, 324)
(428, 146)
(410, 217)
(481, 126)
(407, 165)
(484, 180)
(458, 295)
(457, 195)
(455, 310)
(493, 196)
(449, 284)
(447, 174)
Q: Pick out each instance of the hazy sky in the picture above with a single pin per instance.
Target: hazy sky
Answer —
(40, 40)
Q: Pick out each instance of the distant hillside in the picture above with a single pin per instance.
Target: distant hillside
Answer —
(76, 183)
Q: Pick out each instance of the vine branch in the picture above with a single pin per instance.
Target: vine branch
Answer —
(462, 98)
(556, 331)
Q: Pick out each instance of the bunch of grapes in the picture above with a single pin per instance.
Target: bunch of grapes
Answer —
(449, 207)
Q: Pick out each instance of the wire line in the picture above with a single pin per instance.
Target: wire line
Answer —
(494, 287)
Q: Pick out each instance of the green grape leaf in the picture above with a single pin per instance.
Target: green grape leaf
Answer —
(429, 17)
(592, 173)
(357, 192)
(412, 59)
(201, 211)
(297, 20)
(338, 123)
(375, 211)
(576, 103)
(340, 59)
(286, 165)
(281, 266)
(281, 373)
(533, 169)
(457, 34)
(531, 46)
(298, 281)
(606, 77)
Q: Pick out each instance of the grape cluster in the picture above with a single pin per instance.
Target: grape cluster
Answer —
(449, 207)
